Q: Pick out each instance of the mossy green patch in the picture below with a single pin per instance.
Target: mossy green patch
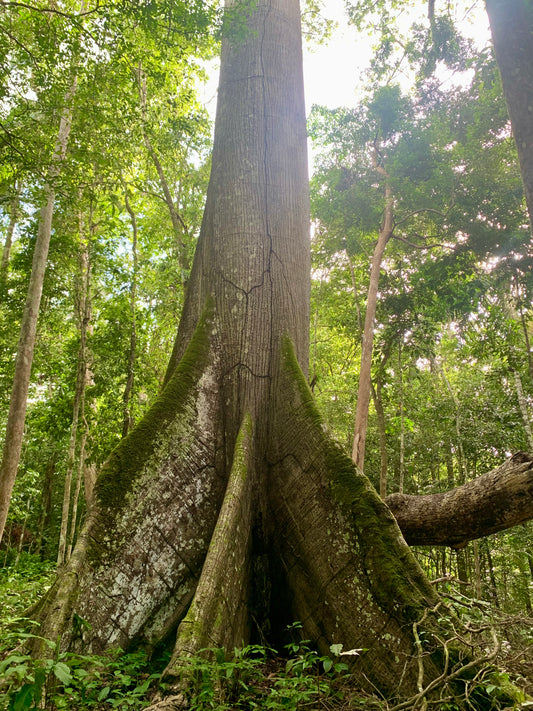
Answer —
(397, 582)
(297, 379)
(127, 460)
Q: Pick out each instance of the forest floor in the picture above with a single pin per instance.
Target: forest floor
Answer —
(255, 677)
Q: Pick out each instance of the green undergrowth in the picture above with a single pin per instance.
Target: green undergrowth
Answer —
(254, 677)
(23, 580)
(251, 678)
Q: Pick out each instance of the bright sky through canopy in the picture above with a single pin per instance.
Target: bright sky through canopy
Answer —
(334, 71)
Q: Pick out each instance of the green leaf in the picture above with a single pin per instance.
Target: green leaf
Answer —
(335, 649)
(62, 672)
(24, 698)
(104, 693)
(340, 667)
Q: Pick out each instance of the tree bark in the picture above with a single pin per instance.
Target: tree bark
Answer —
(493, 502)
(46, 502)
(28, 330)
(493, 587)
(461, 459)
(384, 459)
(79, 479)
(401, 410)
(511, 24)
(477, 570)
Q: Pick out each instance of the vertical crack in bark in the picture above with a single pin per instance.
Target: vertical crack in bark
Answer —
(265, 176)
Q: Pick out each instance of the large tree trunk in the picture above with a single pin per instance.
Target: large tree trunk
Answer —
(511, 24)
(229, 511)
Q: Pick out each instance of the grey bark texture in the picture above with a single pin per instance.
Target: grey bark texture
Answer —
(82, 307)
(367, 346)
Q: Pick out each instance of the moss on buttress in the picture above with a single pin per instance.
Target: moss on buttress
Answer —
(126, 461)
(221, 590)
(397, 581)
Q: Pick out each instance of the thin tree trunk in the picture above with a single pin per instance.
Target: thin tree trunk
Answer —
(21, 381)
(81, 475)
(7, 544)
(462, 571)
(523, 409)
(127, 420)
(314, 342)
(477, 571)
(81, 379)
(529, 556)
(354, 287)
(363, 393)
(524, 579)
(13, 217)
(458, 424)
(76, 498)
(401, 477)
(46, 501)
(89, 480)
(444, 564)
(492, 578)
(384, 460)
(23, 531)
(449, 469)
